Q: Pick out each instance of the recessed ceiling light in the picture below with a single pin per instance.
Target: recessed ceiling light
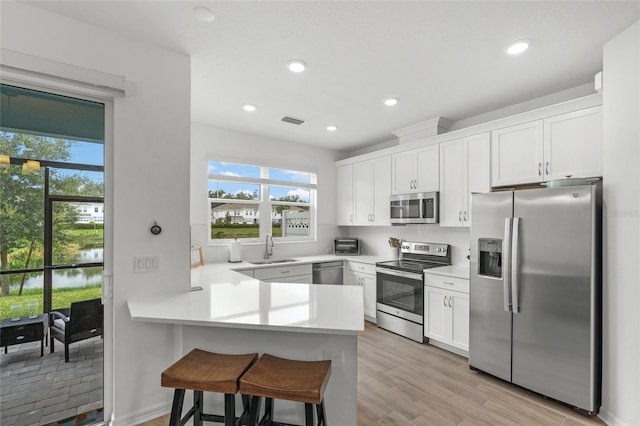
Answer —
(391, 101)
(203, 14)
(332, 128)
(296, 65)
(249, 107)
(518, 47)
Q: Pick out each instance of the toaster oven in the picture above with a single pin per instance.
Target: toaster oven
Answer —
(349, 246)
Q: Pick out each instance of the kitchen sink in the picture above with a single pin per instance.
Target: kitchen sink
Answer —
(271, 261)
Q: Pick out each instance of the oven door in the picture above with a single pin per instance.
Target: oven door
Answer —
(400, 294)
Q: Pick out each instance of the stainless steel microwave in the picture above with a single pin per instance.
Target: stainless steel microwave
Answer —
(414, 208)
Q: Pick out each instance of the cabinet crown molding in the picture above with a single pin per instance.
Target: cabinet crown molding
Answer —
(424, 129)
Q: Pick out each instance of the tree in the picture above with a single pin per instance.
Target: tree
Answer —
(292, 198)
(22, 201)
(240, 195)
(220, 193)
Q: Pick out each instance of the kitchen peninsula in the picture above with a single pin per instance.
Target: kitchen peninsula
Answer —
(234, 313)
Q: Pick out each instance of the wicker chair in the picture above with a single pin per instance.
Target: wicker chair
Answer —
(84, 321)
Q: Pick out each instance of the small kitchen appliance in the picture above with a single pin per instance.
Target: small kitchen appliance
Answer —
(347, 246)
(400, 287)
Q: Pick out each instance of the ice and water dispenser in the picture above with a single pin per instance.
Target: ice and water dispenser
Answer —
(490, 262)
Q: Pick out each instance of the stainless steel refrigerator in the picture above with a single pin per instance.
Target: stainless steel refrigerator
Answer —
(535, 294)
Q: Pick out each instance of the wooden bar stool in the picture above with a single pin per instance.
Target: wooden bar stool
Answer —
(278, 378)
(203, 371)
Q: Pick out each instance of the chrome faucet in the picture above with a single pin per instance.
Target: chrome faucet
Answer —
(268, 250)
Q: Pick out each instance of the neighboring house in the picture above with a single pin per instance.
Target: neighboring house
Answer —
(90, 212)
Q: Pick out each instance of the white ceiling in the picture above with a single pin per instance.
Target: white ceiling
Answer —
(440, 58)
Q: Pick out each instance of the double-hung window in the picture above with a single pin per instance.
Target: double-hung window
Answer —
(249, 202)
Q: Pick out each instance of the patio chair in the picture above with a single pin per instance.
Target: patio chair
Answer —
(84, 321)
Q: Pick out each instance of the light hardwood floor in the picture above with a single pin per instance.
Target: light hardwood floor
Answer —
(401, 382)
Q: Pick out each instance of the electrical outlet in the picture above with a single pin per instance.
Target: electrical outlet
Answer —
(335, 356)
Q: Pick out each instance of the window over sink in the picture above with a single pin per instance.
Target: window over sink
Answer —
(247, 202)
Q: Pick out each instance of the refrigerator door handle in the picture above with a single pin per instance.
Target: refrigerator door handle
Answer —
(506, 264)
(514, 266)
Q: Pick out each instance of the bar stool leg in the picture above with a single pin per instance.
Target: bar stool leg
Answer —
(246, 407)
(176, 408)
(321, 414)
(268, 412)
(229, 409)
(197, 403)
(254, 412)
(308, 414)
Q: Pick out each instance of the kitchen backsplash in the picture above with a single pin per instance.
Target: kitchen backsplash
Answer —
(376, 239)
(220, 253)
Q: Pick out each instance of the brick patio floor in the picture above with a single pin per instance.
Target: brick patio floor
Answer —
(38, 390)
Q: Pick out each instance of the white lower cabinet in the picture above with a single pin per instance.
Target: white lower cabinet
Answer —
(446, 309)
(285, 274)
(364, 274)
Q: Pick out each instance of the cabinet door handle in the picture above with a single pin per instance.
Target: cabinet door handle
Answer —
(444, 301)
(447, 282)
(373, 218)
(460, 216)
(539, 169)
(450, 297)
(285, 272)
(465, 216)
(546, 169)
(351, 218)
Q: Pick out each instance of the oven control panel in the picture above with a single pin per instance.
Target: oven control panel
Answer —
(432, 249)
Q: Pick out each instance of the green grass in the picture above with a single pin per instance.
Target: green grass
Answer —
(219, 232)
(62, 298)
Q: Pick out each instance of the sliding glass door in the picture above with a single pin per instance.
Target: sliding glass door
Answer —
(51, 245)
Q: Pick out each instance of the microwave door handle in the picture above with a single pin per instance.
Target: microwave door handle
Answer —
(514, 266)
(506, 264)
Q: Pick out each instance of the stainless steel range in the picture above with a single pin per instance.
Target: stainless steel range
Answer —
(400, 287)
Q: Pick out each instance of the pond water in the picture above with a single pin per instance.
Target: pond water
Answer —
(77, 277)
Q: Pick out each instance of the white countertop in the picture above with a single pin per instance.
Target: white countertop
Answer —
(301, 260)
(232, 300)
(456, 271)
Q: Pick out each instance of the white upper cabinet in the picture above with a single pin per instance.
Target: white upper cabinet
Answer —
(364, 189)
(464, 169)
(564, 145)
(516, 154)
(381, 190)
(345, 195)
(573, 145)
(416, 170)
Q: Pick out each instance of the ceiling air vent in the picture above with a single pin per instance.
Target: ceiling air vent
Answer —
(292, 120)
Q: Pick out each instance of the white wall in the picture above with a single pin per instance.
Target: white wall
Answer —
(229, 145)
(150, 175)
(621, 156)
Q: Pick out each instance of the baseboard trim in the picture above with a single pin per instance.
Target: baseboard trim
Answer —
(139, 417)
(610, 419)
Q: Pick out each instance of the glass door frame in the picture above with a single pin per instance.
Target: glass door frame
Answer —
(49, 200)
(49, 83)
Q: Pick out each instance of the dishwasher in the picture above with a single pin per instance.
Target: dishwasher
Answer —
(327, 272)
